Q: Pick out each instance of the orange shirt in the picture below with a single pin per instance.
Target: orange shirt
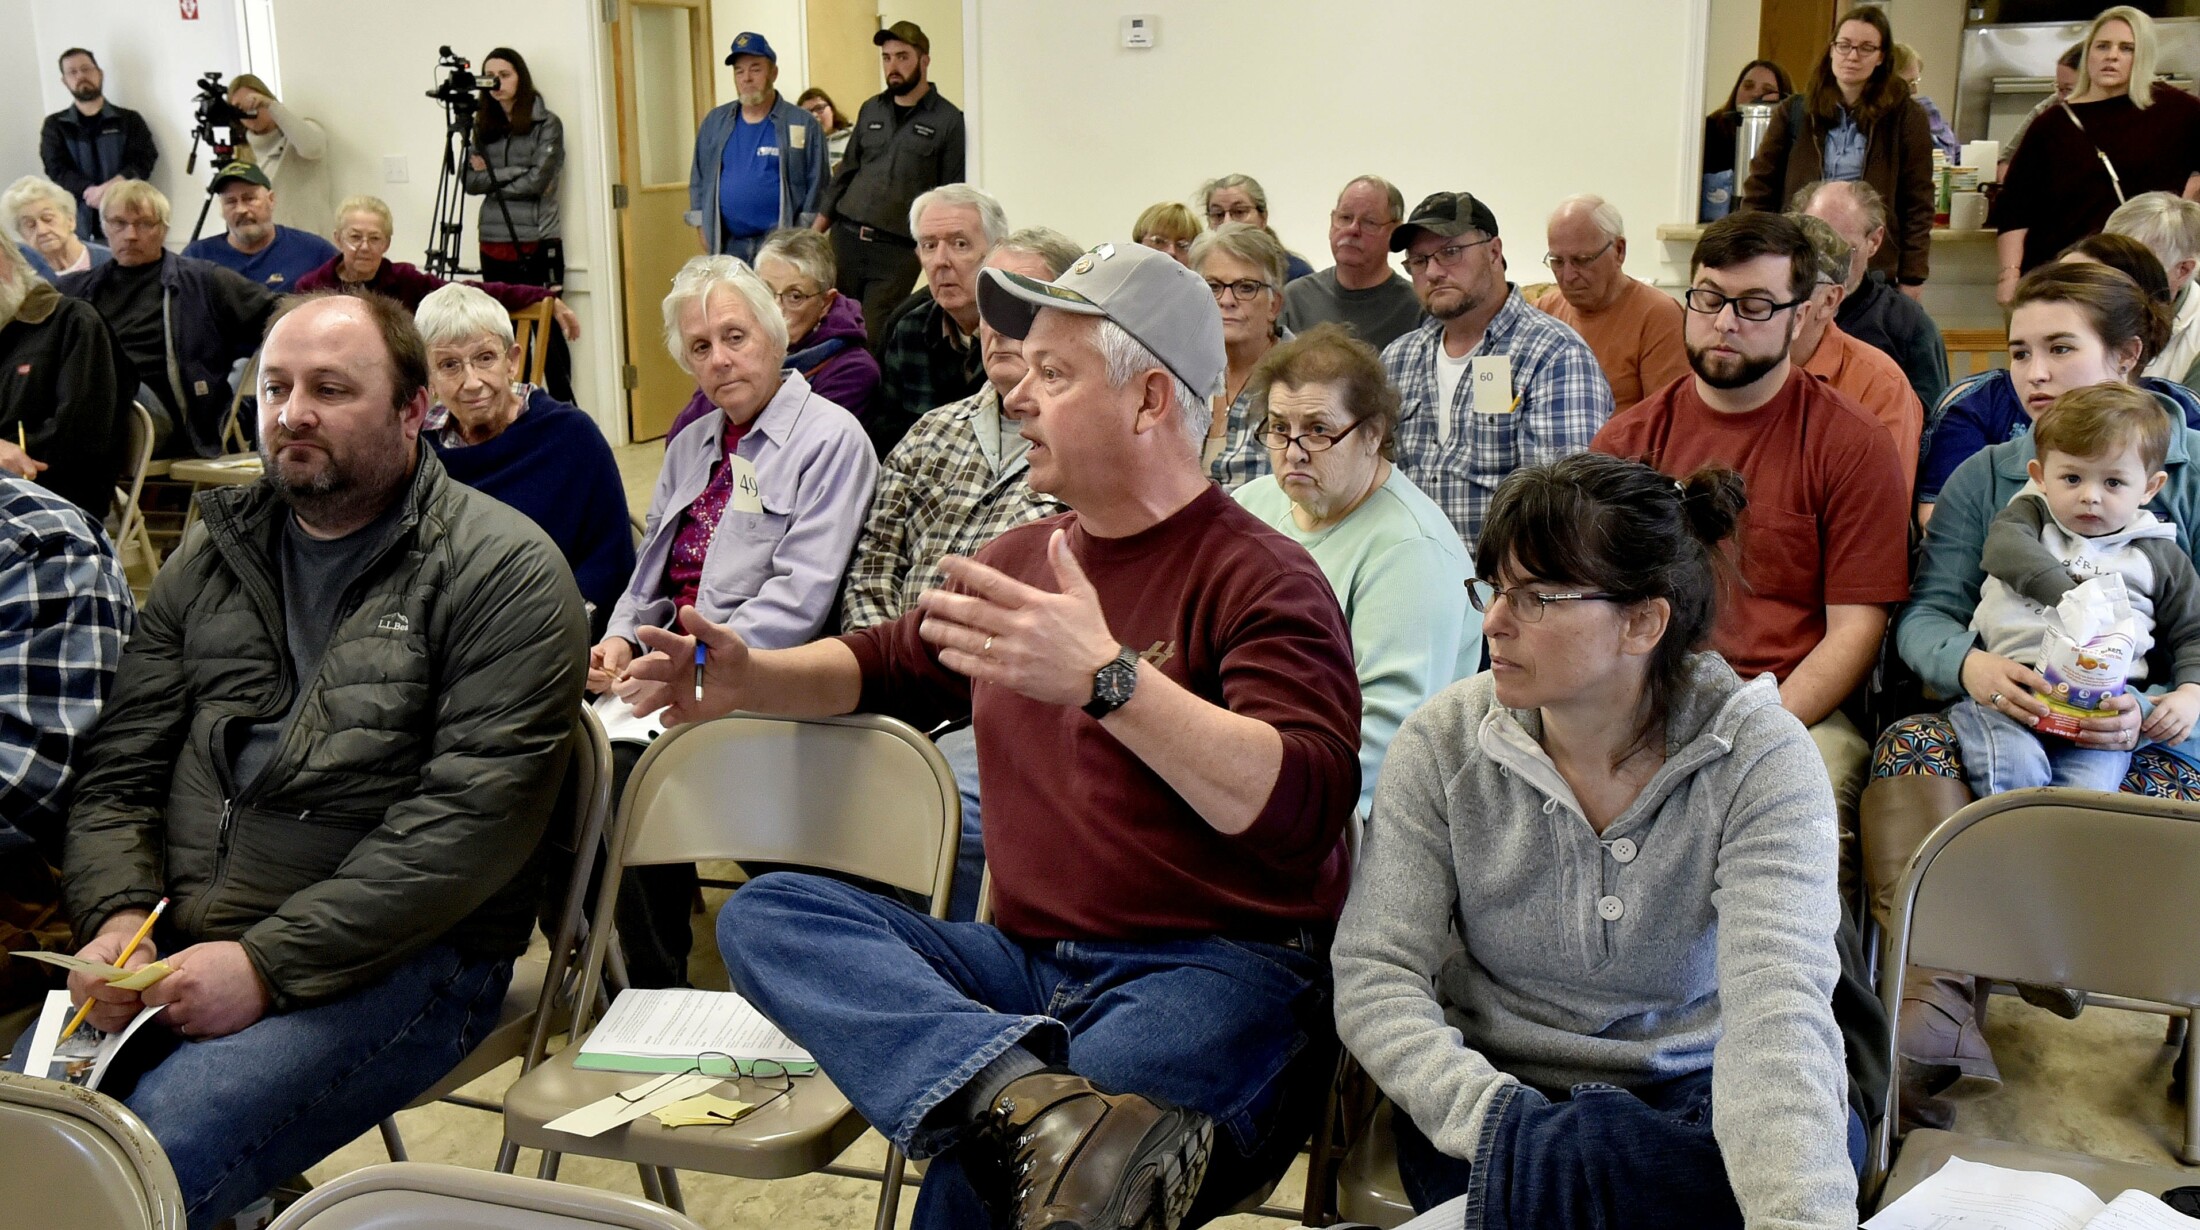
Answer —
(1875, 382)
(1828, 522)
(1637, 340)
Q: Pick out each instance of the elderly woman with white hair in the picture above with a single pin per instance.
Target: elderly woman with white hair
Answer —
(758, 506)
(45, 216)
(64, 410)
(2169, 226)
(516, 442)
(825, 337)
(753, 521)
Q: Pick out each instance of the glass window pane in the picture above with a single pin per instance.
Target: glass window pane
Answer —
(664, 93)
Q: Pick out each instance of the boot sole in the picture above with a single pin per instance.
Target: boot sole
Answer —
(1163, 1177)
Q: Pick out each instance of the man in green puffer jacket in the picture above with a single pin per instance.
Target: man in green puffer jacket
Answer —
(334, 745)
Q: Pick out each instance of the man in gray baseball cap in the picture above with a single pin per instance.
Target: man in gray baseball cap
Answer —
(1167, 721)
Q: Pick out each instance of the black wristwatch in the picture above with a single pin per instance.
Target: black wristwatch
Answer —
(1112, 685)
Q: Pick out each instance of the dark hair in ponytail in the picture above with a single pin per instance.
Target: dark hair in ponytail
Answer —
(1622, 528)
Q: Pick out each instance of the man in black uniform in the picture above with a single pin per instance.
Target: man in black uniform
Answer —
(908, 141)
(91, 145)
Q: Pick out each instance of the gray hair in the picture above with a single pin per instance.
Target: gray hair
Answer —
(1127, 359)
(1054, 249)
(992, 219)
(1391, 195)
(810, 253)
(699, 278)
(1601, 213)
(34, 190)
(1867, 200)
(2169, 225)
(16, 281)
(454, 313)
(1250, 185)
(1249, 243)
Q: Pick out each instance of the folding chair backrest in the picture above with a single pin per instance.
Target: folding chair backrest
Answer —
(129, 511)
(426, 1196)
(73, 1157)
(862, 795)
(2063, 888)
(531, 332)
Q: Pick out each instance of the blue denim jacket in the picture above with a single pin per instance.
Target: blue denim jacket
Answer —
(772, 575)
(804, 164)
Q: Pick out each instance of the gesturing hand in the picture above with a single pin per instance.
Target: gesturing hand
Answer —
(214, 991)
(1002, 631)
(665, 678)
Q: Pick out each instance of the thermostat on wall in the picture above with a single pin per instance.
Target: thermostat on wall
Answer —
(1138, 32)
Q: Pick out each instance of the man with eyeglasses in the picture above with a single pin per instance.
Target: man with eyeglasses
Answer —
(1825, 543)
(1163, 696)
(929, 354)
(1488, 384)
(1866, 376)
(1632, 327)
(1361, 291)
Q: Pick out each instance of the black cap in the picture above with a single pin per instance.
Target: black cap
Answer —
(904, 31)
(1444, 214)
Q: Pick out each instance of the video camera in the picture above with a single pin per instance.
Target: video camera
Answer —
(460, 90)
(216, 121)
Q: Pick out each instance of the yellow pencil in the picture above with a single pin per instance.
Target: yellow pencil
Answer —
(85, 1009)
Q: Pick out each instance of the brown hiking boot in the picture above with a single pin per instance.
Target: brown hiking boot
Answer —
(1080, 1159)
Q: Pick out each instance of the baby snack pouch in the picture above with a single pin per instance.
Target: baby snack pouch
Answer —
(2085, 654)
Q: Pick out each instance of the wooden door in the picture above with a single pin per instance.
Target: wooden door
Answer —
(843, 61)
(1793, 34)
(661, 53)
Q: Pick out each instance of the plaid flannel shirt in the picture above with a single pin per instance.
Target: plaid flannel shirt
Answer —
(922, 365)
(940, 491)
(1243, 457)
(1563, 400)
(64, 612)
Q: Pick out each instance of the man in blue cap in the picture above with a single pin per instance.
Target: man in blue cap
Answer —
(255, 246)
(760, 161)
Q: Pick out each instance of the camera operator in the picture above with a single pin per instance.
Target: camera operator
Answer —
(290, 148)
(515, 158)
(93, 145)
(253, 245)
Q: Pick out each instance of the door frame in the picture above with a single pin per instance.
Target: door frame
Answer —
(624, 154)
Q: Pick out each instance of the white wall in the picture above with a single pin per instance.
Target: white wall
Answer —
(1519, 103)
(22, 109)
(153, 59)
(364, 72)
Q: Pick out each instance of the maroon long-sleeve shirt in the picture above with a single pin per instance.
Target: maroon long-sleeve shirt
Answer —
(1085, 841)
(408, 284)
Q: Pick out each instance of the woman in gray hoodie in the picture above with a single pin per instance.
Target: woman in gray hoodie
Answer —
(1591, 947)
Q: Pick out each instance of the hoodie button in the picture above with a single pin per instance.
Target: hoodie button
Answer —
(1624, 850)
(1610, 908)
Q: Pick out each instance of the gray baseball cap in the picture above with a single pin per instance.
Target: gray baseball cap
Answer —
(1144, 291)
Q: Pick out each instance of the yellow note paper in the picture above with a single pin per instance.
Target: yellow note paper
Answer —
(703, 1110)
(1491, 377)
(127, 980)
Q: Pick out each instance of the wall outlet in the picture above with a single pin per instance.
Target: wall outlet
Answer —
(396, 169)
(1140, 31)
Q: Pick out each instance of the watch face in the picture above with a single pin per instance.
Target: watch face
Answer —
(1113, 684)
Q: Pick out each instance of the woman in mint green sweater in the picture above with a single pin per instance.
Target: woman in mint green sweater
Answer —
(1328, 419)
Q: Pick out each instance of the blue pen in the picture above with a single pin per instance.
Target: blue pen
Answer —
(699, 654)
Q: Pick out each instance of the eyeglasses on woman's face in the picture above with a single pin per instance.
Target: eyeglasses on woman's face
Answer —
(1527, 605)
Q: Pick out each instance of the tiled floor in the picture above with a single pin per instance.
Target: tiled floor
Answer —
(2094, 1085)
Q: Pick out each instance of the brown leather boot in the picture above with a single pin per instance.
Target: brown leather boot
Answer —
(1939, 1032)
(1893, 819)
(1080, 1159)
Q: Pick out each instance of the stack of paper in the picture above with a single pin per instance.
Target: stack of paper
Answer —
(677, 1030)
(1965, 1195)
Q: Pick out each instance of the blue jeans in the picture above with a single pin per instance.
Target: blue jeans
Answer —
(1604, 1156)
(237, 1115)
(744, 247)
(961, 749)
(2000, 754)
(903, 1010)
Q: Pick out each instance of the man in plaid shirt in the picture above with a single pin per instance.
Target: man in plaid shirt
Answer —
(1489, 384)
(64, 613)
(953, 484)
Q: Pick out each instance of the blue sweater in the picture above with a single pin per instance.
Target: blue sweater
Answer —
(554, 465)
(1984, 410)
